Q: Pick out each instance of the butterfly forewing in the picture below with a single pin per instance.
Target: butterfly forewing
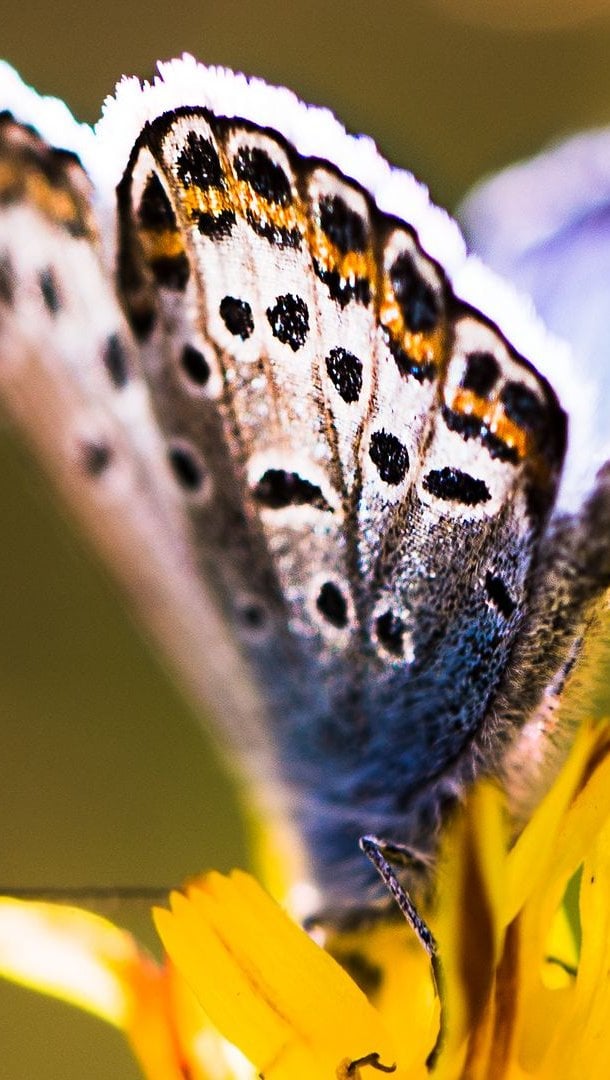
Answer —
(70, 378)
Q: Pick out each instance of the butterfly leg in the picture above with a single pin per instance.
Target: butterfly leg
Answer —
(385, 855)
(370, 1060)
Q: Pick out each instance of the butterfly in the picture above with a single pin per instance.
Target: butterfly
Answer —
(323, 448)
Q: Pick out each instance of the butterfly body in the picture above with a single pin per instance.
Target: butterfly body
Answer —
(357, 467)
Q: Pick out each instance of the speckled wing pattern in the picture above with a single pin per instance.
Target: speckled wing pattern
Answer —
(346, 457)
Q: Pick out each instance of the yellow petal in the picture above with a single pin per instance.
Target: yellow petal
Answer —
(86, 961)
(70, 954)
(469, 884)
(266, 985)
(390, 965)
(206, 1055)
(592, 997)
(488, 825)
(561, 959)
(531, 857)
(588, 813)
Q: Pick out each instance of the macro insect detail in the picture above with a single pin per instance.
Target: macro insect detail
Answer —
(321, 446)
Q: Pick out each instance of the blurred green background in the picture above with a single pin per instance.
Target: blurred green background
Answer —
(105, 777)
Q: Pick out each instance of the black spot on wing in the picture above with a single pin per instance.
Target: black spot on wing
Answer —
(115, 361)
(195, 365)
(252, 616)
(422, 370)
(171, 271)
(278, 235)
(482, 371)
(155, 210)
(215, 226)
(470, 427)
(142, 320)
(265, 176)
(289, 320)
(7, 291)
(342, 225)
(198, 163)
(340, 289)
(332, 604)
(416, 298)
(390, 632)
(345, 372)
(185, 467)
(525, 409)
(49, 290)
(499, 594)
(95, 457)
(390, 456)
(453, 485)
(237, 316)
(278, 489)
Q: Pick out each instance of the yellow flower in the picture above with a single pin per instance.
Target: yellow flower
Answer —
(244, 991)
(525, 998)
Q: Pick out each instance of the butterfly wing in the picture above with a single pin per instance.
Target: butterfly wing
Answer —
(545, 224)
(367, 463)
(70, 380)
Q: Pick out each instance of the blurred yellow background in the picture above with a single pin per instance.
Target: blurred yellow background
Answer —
(105, 777)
